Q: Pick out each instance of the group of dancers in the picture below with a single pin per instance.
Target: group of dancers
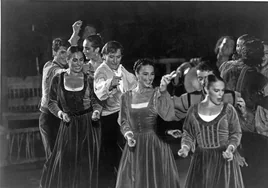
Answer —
(96, 113)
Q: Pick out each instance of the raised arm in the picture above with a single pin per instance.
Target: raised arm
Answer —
(74, 37)
(181, 106)
(164, 105)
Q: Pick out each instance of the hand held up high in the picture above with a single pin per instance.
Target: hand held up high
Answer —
(166, 80)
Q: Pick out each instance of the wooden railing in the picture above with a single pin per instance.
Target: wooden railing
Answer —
(21, 99)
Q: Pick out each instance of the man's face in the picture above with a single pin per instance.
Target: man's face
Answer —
(113, 60)
(61, 55)
(201, 77)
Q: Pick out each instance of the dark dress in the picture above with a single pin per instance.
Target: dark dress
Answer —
(208, 168)
(74, 160)
(150, 164)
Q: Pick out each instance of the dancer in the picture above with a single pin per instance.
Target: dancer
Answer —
(212, 131)
(146, 160)
(74, 160)
(48, 123)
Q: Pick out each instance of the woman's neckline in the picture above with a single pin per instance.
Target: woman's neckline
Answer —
(73, 90)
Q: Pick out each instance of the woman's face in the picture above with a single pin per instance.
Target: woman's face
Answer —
(226, 47)
(216, 92)
(76, 62)
(265, 57)
(88, 50)
(239, 44)
(146, 76)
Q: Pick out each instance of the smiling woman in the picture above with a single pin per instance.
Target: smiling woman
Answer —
(74, 160)
(146, 161)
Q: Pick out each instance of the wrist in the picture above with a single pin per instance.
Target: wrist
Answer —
(75, 32)
(231, 148)
(185, 147)
(60, 114)
(129, 135)
(163, 89)
(96, 111)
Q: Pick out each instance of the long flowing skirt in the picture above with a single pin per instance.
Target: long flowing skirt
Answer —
(254, 149)
(208, 169)
(150, 164)
(74, 160)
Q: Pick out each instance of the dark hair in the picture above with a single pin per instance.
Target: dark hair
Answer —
(265, 42)
(142, 62)
(216, 50)
(246, 37)
(74, 49)
(243, 38)
(95, 23)
(96, 41)
(203, 66)
(111, 47)
(212, 78)
(82, 31)
(252, 52)
(57, 43)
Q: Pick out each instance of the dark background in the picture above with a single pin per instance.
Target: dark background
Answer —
(146, 29)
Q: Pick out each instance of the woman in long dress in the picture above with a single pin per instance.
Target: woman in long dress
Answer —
(74, 160)
(212, 131)
(146, 161)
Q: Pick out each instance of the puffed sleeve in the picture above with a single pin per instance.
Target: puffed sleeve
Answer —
(188, 137)
(235, 132)
(102, 85)
(164, 105)
(96, 104)
(181, 106)
(123, 119)
(53, 104)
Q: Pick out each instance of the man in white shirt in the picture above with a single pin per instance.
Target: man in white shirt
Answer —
(111, 80)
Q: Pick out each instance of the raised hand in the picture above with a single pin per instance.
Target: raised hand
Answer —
(77, 26)
(166, 80)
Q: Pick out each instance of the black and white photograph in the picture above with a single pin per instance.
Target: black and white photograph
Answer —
(133, 94)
